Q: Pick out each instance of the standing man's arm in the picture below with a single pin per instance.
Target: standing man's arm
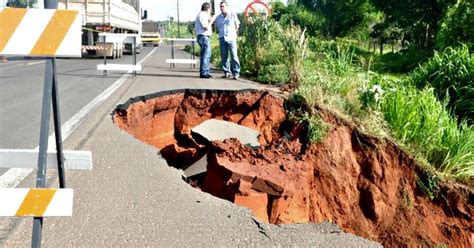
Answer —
(237, 23)
(205, 22)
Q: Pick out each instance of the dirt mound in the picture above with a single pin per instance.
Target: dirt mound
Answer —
(366, 185)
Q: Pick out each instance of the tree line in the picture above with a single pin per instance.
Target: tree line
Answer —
(423, 24)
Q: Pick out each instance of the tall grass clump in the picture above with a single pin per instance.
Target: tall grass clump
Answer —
(451, 74)
(271, 53)
(418, 120)
(331, 78)
(339, 60)
(294, 43)
(257, 46)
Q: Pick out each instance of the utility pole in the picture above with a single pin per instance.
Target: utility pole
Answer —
(213, 7)
(213, 12)
(177, 9)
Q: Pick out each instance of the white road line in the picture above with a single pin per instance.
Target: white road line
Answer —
(14, 176)
(35, 62)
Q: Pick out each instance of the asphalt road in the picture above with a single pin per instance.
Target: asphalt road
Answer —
(21, 92)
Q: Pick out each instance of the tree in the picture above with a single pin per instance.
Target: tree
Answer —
(341, 16)
(293, 13)
(385, 33)
(418, 19)
(22, 3)
(457, 26)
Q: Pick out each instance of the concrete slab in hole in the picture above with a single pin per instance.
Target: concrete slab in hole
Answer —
(220, 130)
(197, 168)
(213, 129)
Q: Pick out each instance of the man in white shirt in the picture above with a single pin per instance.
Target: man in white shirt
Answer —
(228, 24)
(203, 25)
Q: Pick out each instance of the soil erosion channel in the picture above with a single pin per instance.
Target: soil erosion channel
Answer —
(366, 185)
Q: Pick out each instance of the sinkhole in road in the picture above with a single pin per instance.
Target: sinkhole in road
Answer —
(367, 185)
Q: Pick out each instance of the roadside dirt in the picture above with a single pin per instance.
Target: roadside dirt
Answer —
(366, 185)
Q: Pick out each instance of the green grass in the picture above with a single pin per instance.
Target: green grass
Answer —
(451, 74)
(399, 62)
(418, 120)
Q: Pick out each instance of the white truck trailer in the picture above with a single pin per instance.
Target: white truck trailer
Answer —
(111, 16)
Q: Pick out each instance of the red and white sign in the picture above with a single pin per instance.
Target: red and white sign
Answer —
(257, 8)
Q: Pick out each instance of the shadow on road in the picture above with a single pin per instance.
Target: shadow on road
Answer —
(167, 75)
(85, 75)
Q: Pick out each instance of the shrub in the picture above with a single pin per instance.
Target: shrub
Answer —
(273, 74)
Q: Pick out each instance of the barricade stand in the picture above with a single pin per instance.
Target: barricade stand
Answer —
(59, 35)
(192, 62)
(120, 38)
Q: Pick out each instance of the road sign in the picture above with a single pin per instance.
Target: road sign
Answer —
(257, 8)
(40, 32)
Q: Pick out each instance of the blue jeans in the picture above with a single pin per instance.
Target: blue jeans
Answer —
(205, 55)
(226, 47)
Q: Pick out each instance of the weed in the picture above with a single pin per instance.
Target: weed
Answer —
(429, 185)
(407, 199)
(316, 127)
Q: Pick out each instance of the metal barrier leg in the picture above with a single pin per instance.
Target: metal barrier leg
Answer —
(57, 129)
(43, 145)
(172, 54)
(105, 63)
(192, 55)
(134, 49)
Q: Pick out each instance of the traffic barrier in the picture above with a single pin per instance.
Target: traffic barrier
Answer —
(46, 33)
(24, 158)
(133, 39)
(39, 32)
(24, 202)
(192, 62)
(181, 61)
(118, 67)
(93, 48)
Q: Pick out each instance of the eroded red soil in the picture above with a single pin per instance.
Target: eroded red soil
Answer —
(366, 185)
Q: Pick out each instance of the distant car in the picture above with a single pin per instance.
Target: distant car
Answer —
(128, 48)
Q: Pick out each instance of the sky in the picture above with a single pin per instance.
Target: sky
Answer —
(160, 10)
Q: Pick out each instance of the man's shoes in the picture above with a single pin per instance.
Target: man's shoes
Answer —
(206, 76)
(235, 77)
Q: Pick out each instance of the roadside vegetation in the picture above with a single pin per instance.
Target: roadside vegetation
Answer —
(367, 61)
